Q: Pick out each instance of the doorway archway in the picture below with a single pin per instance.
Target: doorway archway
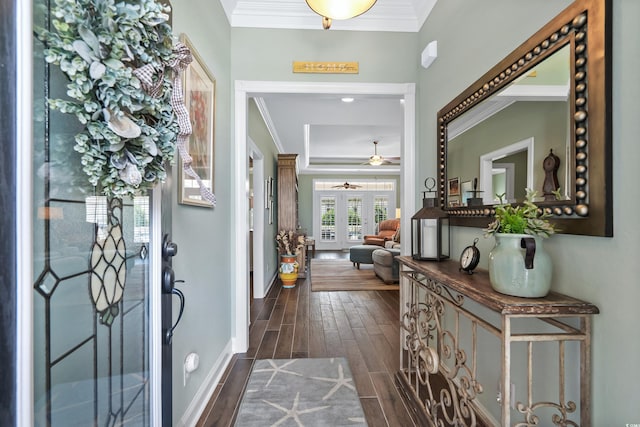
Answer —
(239, 218)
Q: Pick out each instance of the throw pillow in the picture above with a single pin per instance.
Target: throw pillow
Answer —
(396, 236)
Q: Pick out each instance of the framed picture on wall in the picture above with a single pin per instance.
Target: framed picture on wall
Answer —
(271, 211)
(267, 195)
(271, 188)
(199, 88)
(453, 186)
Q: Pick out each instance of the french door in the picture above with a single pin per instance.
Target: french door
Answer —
(342, 218)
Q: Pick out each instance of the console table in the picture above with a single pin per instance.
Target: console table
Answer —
(456, 331)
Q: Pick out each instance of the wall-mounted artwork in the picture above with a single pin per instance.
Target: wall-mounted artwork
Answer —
(266, 193)
(199, 87)
(268, 198)
(453, 186)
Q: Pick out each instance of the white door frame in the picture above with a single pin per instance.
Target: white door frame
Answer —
(240, 212)
(486, 166)
(24, 213)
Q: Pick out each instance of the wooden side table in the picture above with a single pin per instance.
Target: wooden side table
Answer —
(542, 350)
(310, 244)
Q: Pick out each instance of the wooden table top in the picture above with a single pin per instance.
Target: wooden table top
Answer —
(477, 287)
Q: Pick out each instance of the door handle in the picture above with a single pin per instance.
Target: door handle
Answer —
(169, 334)
(169, 248)
(168, 279)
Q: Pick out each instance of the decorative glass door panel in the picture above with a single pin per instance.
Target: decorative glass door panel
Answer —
(91, 279)
(328, 219)
(380, 209)
(354, 216)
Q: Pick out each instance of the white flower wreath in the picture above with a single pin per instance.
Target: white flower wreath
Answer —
(129, 132)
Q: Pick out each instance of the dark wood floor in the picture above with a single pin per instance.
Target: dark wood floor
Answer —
(297, 323)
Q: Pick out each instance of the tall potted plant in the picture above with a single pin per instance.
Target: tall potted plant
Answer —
(289, 245)
(518, 263)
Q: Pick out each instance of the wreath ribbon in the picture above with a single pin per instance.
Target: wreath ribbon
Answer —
(181, 59)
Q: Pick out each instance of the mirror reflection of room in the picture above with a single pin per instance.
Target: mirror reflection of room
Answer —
(536, 108)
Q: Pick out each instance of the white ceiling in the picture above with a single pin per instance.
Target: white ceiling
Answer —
(385, 15)
(330, 135)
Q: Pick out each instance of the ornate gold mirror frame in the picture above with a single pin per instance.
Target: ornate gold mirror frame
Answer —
(585, 26)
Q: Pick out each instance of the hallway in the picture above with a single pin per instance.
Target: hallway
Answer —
(298, 323)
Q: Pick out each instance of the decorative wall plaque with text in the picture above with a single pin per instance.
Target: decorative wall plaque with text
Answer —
(326, 67)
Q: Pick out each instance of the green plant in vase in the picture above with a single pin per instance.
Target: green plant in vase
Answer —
(518, 263)
(526, 218)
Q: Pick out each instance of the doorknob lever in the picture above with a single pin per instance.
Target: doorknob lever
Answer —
(169, 333)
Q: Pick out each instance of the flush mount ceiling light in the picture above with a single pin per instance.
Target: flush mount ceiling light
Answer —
(339, 9)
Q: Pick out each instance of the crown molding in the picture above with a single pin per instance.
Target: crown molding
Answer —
(268, 121)
(386, 15)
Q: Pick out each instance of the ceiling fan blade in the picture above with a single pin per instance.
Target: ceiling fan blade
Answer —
(347, 186)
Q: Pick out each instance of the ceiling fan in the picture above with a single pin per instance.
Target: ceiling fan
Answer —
(377, 159)
(347, 186)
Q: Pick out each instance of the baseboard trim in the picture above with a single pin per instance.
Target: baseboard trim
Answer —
(271, 283)
(200, 400)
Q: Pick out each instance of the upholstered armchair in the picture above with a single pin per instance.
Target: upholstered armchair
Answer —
(387, 229)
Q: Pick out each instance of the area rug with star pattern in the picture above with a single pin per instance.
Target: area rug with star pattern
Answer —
(300, 392)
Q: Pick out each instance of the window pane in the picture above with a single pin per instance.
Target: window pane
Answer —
(381, 208)
(328, 219)
(359, 185)
(354, 218)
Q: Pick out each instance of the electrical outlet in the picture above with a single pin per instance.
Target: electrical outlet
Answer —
(191, 363)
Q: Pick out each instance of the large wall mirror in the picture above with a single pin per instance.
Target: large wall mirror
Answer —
(539, 119)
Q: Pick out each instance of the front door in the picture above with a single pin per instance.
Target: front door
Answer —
(94, 263)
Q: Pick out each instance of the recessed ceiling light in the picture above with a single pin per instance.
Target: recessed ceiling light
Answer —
(347, 99)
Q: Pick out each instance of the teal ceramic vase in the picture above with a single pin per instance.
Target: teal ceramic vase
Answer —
(519, 266)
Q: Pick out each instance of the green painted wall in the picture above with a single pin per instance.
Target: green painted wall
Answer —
(548, 128)
(258, 132)
(202, 234)
(472, 37)
(266, 54)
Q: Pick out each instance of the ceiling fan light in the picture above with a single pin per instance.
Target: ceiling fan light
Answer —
(340, 9)
(376, 160)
